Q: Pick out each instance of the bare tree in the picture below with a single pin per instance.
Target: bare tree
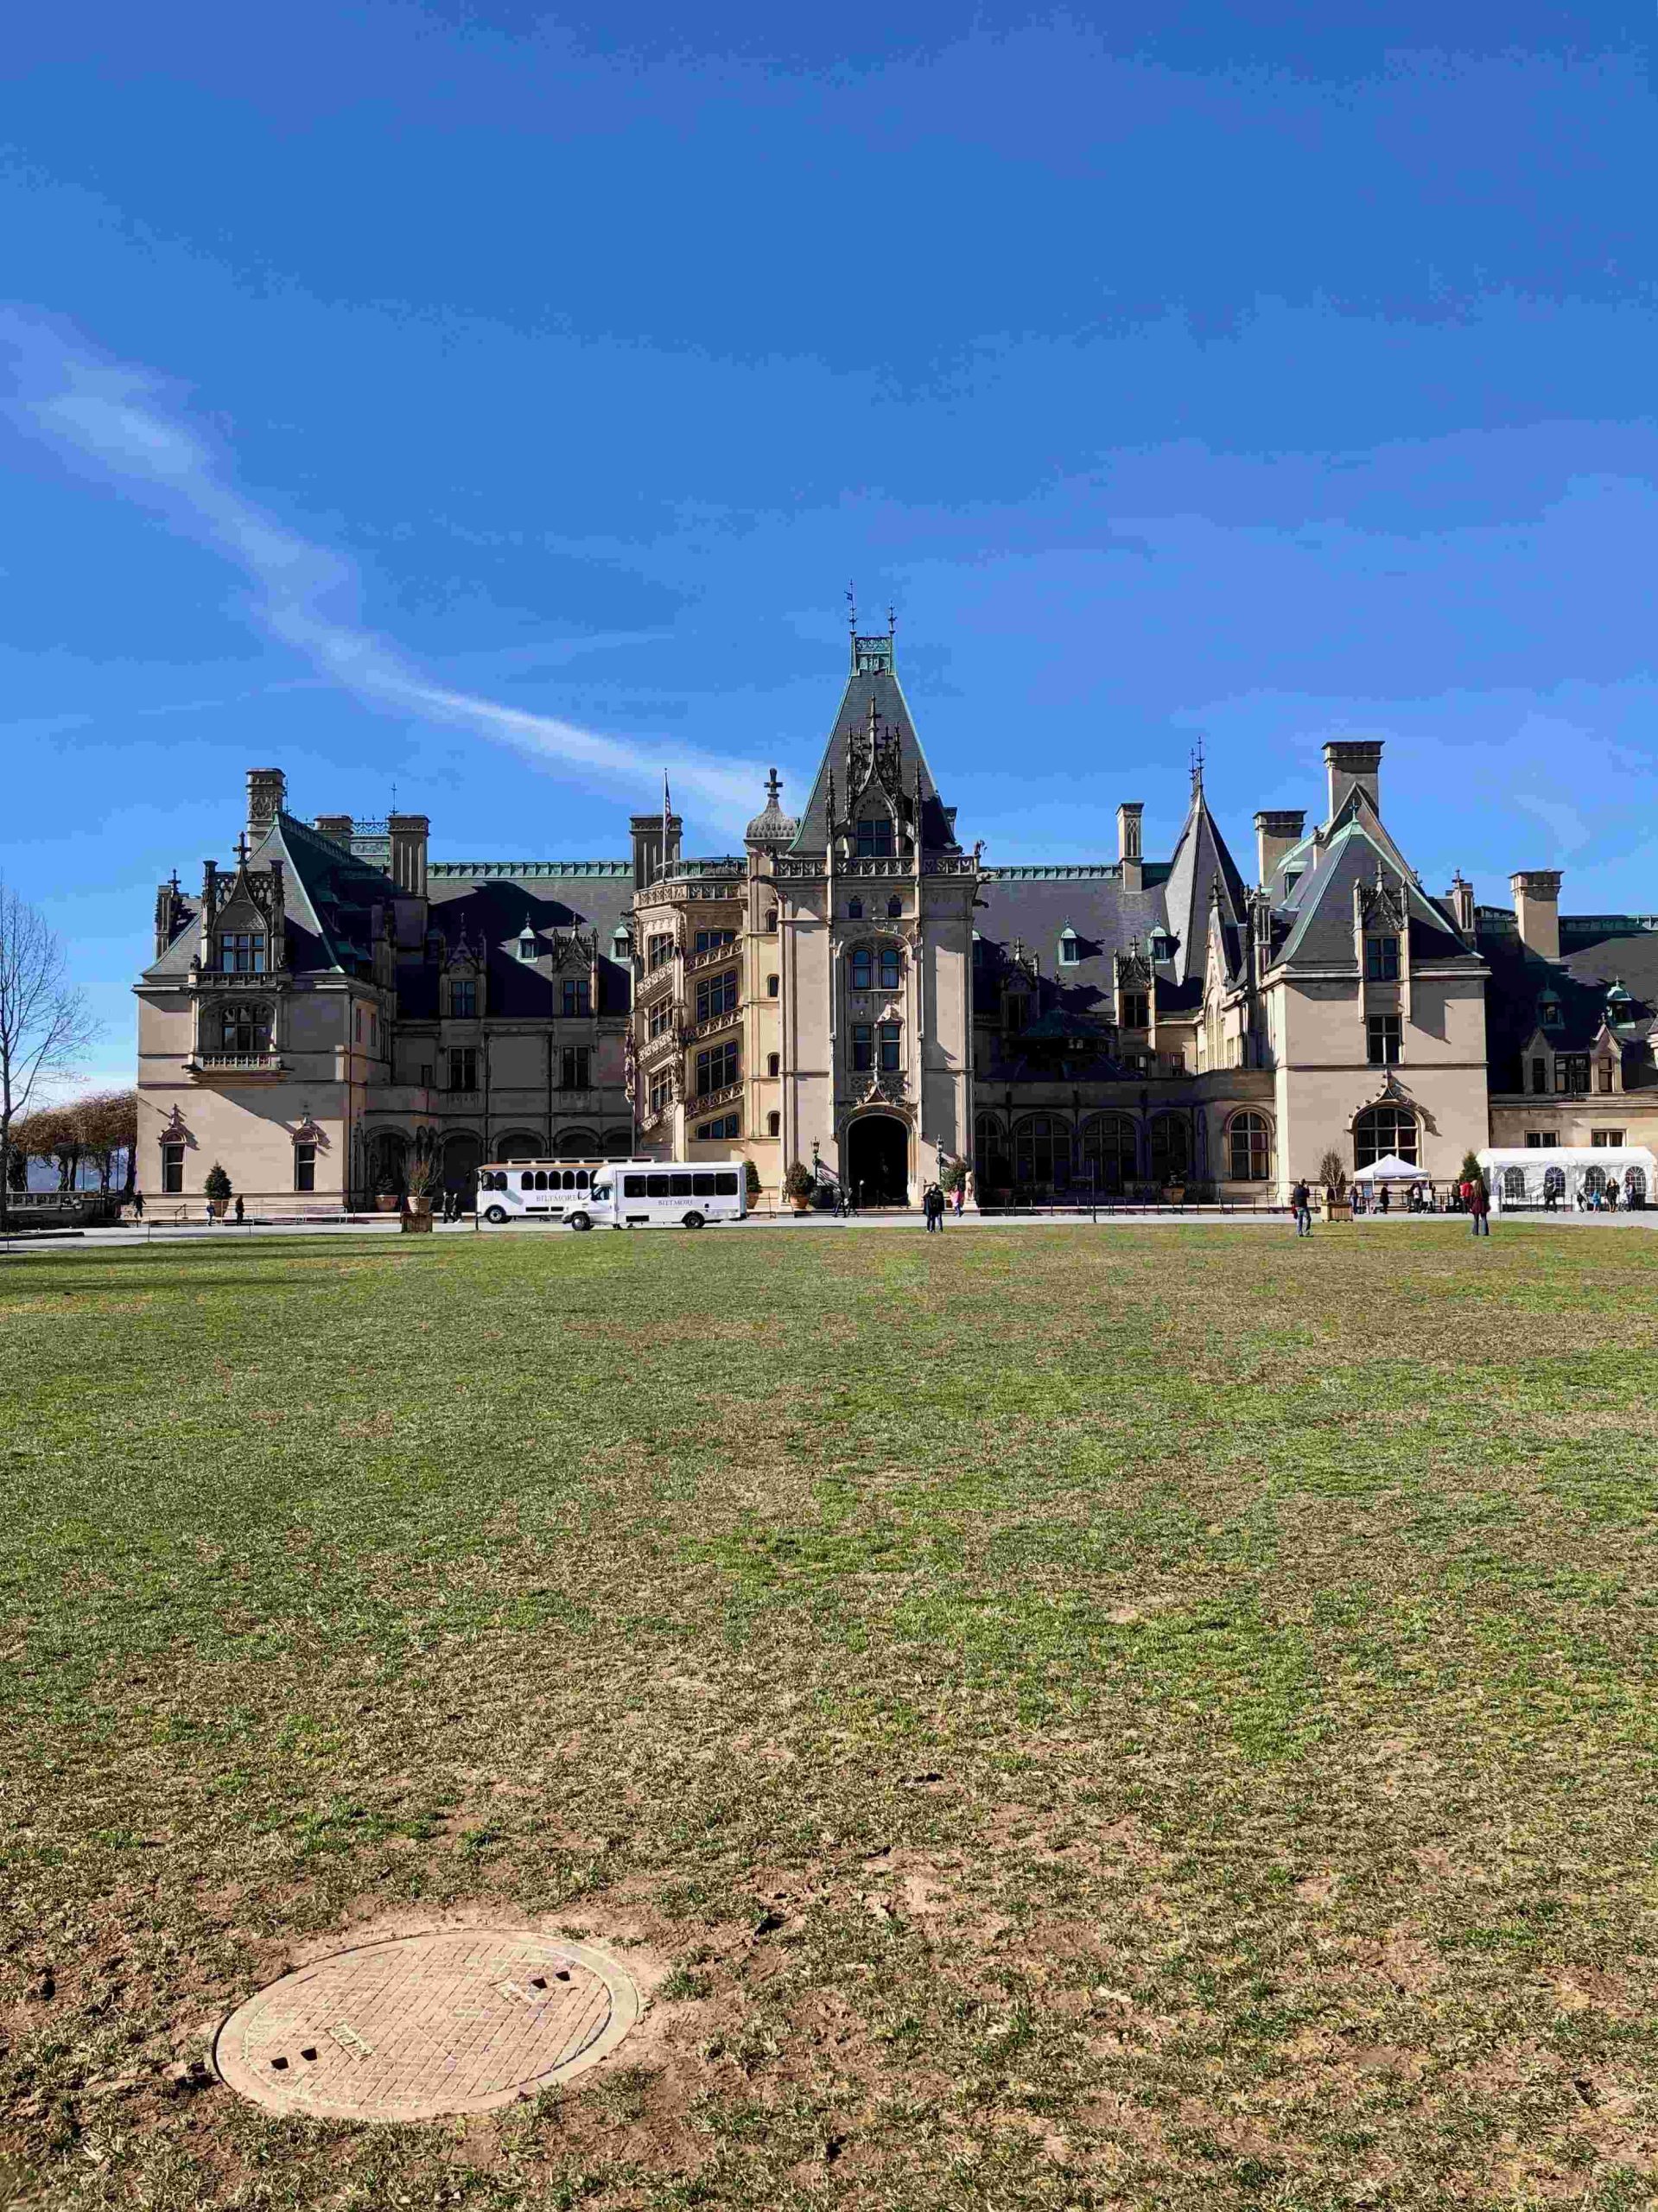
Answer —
(107, 1126)
(45, 1023)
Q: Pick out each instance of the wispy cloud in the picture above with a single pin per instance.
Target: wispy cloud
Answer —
(119, 422)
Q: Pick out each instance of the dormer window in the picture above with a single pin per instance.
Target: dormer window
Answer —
(242, 952)
(1136, 1010)
(1381, 959)
(1069, 951)
(621, 945)
(1160, 945)
(1291, 877)
(463, 998)
(1549, 1013)
(875, 840)
(528, 947)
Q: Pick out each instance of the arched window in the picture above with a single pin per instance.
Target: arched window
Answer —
(771, 987)
(773, 1063)
(1171, 1149)
(526, 1181)
(889, 967)
(894, 907)
(863, 968)
(1635, 1186)
(1249, 1148)
(855, 910)
(541, 1179)
(1041, 1152)
(1594, 1181)
(1382, 1131)
(1111, 1147)
(1555, 1181)
(990, 1159)
(245, 1029)
(773, 1123)
(576, 1144)
(1514, 1186)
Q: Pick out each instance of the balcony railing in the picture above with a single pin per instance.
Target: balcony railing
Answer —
(726, 1096)
(709, 958)
(237, 1063)
(713, 1025)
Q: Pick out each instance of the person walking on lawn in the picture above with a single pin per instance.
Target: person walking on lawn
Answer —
(1301, 1201)
(1479, 1205)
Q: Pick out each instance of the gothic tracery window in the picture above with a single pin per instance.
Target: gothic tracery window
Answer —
(1382, 1131)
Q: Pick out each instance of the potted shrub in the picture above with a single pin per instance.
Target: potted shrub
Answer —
(1332, 1175)
(797, 1187)
(217, 1188)
(752, 1183)
(417, 1212)
(388, 1198)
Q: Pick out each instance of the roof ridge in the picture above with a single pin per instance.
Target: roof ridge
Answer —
(529, 868)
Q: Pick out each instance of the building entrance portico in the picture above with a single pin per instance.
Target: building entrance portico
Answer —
(877, 1152)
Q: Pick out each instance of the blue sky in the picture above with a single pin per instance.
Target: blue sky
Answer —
(495, 403)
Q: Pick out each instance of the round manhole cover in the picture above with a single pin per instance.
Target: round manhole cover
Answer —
(462, 2020)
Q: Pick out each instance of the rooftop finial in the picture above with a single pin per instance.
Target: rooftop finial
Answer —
(891, 621)
(1197, 767)
(852, 608)
(773, 788)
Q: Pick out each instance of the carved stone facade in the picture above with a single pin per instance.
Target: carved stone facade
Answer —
(858, 991)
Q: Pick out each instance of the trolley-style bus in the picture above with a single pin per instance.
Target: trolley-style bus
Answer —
(539, 1190)
(613, 1193)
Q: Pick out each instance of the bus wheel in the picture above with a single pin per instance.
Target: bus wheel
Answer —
(579, 1221)
(692, 1221)
(496, 1214)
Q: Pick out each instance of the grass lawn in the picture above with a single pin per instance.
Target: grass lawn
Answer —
(1156, 1718)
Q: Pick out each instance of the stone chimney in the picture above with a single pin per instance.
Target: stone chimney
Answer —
(336, 827)
(267, 797)
(1349, 764)
(408, 834)
(1276, 834)
(648, 854)
(1129, 855)
(1537, 909)
(1460, 900)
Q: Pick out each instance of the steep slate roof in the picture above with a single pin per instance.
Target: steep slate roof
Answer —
(876, 684)
(1199, 858)
(328, 895)
(1597, 951)
(1035, 905)
(1314, 917)
(491, 900)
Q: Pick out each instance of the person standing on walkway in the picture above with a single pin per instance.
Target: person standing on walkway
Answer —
(1301, 1201)
(137, 1205)
(240, 1209)
(1479, 1205)
(961, 1195)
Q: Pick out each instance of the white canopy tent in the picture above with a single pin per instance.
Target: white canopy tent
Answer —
(1538, 1177)
(1393, 1169)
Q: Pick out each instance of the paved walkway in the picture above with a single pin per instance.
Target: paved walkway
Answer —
(810, 1225)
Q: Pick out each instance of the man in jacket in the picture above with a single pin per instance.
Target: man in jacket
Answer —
(1301, 1204)
(1479, 1205)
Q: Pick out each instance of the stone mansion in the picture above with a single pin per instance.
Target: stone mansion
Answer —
(860, 991)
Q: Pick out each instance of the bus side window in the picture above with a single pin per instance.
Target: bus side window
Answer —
(526, 1181)
(580, 1179)
(682, 1185)
(724, 1186)
(636, 1186)
(703, 1187)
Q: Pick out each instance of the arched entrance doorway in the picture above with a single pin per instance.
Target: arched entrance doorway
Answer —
(461, 1164)
(877, 1160)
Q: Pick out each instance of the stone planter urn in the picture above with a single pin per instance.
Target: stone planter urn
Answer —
(387, 1202)
(1332, 1207)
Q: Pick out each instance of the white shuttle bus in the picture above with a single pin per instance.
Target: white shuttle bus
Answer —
(613, 1193)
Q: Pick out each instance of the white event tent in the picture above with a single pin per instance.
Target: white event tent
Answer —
(1534, 1176)
(1393, 1169)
